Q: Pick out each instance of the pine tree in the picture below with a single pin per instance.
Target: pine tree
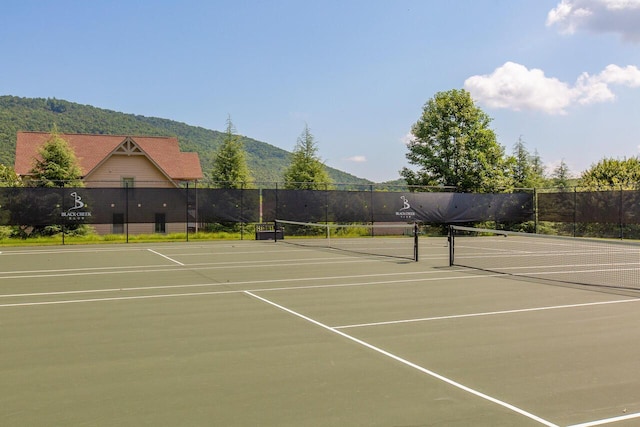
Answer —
(230, 168)
(528, 171)
(561, 175)
(57, 166)
(306, 171)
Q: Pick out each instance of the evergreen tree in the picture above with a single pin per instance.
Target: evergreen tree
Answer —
(306, 171)
(561, 175)
(230, 168)
(58, 166)
(528, 171)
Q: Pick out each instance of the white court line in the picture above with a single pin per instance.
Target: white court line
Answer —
(286, 288)
(89, 271)
(164, 256)
(134, 297)
(117, 248)
(408, 363)
(243, 282)
(488, 313)
(607, 420)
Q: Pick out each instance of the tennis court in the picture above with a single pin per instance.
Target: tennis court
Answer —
(257, 333)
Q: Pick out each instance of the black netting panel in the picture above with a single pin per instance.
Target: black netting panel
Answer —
(556, 207)
(300, 205)
(452, 207)
(630, 207)
(228, 205)
(44, 206)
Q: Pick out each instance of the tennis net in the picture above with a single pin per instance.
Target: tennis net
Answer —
(606, 263)
(397, 240)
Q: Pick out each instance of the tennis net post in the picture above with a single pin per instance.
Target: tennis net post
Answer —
(573, 260)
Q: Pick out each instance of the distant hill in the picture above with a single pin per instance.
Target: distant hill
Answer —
(266, 162)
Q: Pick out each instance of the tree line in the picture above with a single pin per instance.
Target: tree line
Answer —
(452, 145)
(59, 167)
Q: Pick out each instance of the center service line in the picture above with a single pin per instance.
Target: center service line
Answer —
(408, 363)
(164, 256)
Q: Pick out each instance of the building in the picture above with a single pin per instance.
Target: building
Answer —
(116, 160)
(109, 161)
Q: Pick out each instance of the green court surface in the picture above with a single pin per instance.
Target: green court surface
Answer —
(257, 333)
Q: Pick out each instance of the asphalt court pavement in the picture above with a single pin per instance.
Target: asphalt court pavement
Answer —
(264, 333)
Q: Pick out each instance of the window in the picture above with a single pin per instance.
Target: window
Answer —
(118, 223)
(161, 226)
(128, 182)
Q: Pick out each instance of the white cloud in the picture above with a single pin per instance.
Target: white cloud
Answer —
(598, 16)
(514, 86)
(627, 76)
(357, 159)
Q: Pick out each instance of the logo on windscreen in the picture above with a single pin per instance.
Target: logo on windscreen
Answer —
(76, 212)
(405, 211)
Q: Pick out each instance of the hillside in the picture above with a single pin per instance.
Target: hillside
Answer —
(265, 161)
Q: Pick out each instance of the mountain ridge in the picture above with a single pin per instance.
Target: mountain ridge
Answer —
(266, 161)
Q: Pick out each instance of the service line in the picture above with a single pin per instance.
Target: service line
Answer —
(408, 363)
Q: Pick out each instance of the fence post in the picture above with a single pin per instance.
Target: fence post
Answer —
(277, 213)
(621, 214)
(326, 203)
(63, 219)
(242, 211)
(126, 211)
(186, 216)
(575, 209)
(535, 210)
(371, 205)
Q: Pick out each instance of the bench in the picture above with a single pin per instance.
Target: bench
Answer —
(266, 231)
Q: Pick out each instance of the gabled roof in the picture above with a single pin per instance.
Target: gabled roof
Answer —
(92, 150)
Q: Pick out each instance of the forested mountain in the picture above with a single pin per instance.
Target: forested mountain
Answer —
(265, 161)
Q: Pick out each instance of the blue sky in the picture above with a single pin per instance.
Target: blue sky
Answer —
(561, 74)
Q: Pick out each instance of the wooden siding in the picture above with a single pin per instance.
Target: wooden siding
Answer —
(144, 172)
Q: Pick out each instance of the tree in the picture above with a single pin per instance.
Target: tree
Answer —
(58, 166)
(561, 175)
(453, 145)
(230, 168)
(613, 173)
(306, 171)
(8, 177)
(528, 171)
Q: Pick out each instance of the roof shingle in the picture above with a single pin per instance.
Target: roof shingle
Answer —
(91, 150)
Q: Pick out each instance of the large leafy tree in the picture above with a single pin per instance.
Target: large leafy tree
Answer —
(57, 165)
(306, 171)
(613, 173)
(230, 168)
(452, 145)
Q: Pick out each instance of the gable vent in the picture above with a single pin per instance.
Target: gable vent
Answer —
(128, 147)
